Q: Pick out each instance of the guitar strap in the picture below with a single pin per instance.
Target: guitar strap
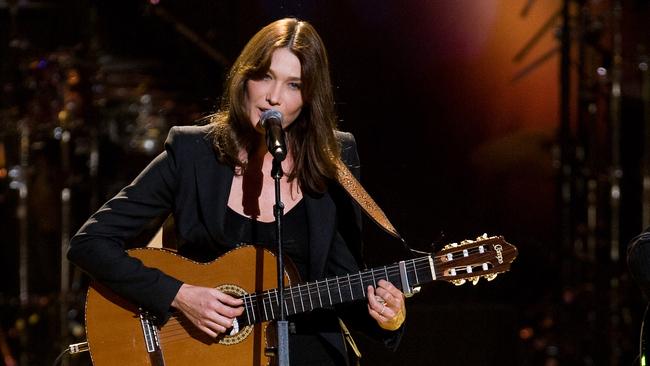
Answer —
(356, 354)
(367, 204)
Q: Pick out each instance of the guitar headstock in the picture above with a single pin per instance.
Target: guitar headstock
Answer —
(472, 259)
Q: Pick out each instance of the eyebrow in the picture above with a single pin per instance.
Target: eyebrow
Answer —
(290, 78)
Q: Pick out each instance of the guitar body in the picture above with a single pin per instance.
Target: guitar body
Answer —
(115, 331)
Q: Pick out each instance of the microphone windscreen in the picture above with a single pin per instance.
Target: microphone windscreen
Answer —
(269, 115)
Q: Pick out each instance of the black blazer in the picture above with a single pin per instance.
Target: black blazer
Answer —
(188, 181)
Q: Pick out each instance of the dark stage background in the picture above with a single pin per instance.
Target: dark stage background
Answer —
(462, 128)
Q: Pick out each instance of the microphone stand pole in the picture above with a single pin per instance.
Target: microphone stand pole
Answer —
(278, 212)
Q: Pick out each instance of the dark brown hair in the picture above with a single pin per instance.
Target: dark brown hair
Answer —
(311, 136)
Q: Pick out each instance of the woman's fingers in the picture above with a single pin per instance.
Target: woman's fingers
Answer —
(386, 305)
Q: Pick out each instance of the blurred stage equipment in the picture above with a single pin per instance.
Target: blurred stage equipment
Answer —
(132, 107)
(45, 147)
(604, 84)
(50, 157)
(76, 125)
(191, 35)
(643, 66)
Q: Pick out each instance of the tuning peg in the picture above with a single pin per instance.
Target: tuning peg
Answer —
(482, 237)
(491, 276)
(474, 280)
(450, 245)
(458, 282)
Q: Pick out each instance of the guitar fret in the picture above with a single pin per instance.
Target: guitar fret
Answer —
(271, 303)
(254, 307)
(300, 296)
(416, 272)
(329, 294)
(266, 316)
(293, 301)
(363, 290)
(386, 273)
(339, 287)
(248, 317)
(318, 292)
(374, 280)
(432, 268)
(350, 284)
(311, 304)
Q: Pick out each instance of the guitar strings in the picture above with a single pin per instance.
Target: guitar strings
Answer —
(325, 287)
(362, 278)
(316, 289)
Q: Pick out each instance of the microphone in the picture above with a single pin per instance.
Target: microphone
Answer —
(271, 120)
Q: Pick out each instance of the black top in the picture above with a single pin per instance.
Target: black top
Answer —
(295, 235)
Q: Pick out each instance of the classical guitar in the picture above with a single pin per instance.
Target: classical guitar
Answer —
(119, 333)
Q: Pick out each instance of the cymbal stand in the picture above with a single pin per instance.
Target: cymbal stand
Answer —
(616, 174)
(645, 96)
(616, 171)
(65, 236)
(18, 181)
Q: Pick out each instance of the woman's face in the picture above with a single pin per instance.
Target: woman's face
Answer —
(278, 89)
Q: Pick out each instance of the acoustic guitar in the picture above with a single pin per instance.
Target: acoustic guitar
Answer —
(119, 333)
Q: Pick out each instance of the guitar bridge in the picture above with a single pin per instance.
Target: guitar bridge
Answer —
(150, 332)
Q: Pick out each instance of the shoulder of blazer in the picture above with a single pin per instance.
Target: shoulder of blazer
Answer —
(189, 140)
(346, 139)
(348, 145)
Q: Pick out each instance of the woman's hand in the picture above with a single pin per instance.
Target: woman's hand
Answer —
(208, 309)
(386, 305)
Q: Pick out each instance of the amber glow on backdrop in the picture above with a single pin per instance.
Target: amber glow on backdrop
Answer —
(483, 37)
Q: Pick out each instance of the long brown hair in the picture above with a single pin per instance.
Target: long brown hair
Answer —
(311, 136)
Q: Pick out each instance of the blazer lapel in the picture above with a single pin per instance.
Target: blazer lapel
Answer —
(321, 212)
(213, 182)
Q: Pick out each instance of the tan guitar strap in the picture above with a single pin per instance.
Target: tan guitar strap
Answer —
(367, 204)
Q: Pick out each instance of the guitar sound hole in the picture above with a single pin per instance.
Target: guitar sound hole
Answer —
(236, 334)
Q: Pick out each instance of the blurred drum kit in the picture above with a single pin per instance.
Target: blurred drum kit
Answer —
(65, 125)
(76, 125)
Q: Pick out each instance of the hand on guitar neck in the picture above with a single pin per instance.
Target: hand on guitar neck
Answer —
(386, 305)
(209, 309)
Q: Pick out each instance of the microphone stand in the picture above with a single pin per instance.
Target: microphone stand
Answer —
(278, 212)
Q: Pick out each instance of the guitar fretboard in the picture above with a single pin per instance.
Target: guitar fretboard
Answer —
(264, 306)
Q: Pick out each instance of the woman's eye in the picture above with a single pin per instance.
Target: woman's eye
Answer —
(295, 86)
(266, 77)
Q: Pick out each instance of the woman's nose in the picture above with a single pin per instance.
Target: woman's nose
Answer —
(273, 94)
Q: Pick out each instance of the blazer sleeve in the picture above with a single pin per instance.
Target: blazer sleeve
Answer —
(99, 246)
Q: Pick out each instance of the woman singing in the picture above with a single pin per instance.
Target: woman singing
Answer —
(216, 182)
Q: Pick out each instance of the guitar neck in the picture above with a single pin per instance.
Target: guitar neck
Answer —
(264, 306)
(457, 263)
